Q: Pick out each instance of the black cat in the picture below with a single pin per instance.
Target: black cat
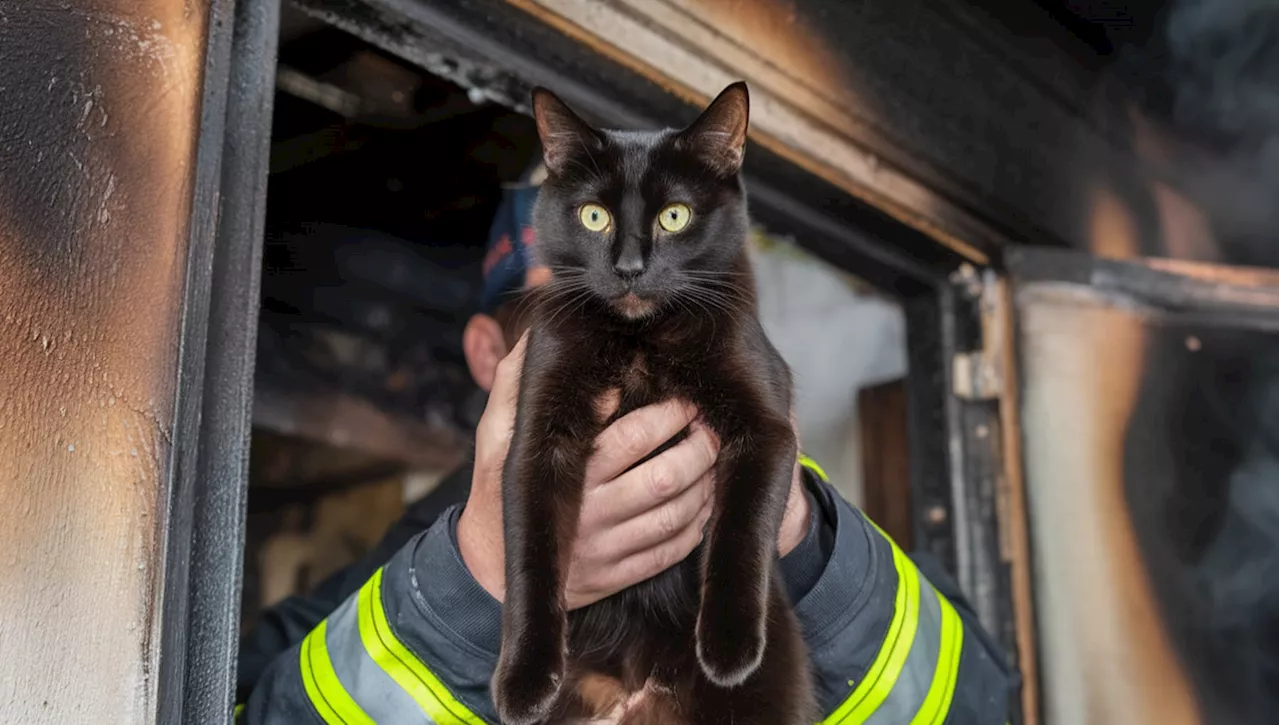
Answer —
(652, 294)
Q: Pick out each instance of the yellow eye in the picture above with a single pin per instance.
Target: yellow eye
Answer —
(594, 217)
(674, 217)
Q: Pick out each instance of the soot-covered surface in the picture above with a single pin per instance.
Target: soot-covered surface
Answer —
(384, 183)
(1149, 433)
(98, 133)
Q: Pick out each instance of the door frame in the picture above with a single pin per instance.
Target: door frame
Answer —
(501, 52)
(205, 526)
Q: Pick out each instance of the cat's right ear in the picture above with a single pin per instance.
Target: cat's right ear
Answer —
(562, 133)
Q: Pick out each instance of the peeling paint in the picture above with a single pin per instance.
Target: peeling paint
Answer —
(102, 126)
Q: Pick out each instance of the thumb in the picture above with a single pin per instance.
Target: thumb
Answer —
(493, 434)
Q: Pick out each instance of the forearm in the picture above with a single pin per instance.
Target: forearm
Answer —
(419, 636)
(883, 640)
(284, 624)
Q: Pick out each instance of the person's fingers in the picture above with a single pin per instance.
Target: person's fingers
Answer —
(493, 433)
(500, 411)
(634, 436)
(648, 486)
(655, 560)
(652, 527)
(506, 380)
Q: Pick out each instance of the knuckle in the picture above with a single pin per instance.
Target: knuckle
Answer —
(668, 522)
(633, 438)
(662, 481)
(709, 447)
(661, 558)
(630, 571)
(692, 536)
(582, 573)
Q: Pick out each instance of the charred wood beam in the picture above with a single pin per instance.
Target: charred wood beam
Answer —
(297, 151)
(498, 52)
(303, 491)
(344, 420)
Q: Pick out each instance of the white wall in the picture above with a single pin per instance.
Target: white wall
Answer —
(836, 341)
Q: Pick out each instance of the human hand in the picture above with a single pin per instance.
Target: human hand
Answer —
(632, 525)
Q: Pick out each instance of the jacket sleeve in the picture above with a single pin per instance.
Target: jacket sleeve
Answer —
(285, 624)
(417, 642)
(885, 644)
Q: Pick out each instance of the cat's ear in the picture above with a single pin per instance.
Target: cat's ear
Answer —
(719, 136)
(562, 133)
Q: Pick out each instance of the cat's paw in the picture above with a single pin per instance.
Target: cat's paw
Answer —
(730, 641)
(527, 681)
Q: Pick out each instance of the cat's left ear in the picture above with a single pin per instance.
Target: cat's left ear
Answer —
(719, 136)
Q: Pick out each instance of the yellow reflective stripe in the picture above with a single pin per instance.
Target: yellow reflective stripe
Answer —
(812, 465)
(235, 715)
(884, 671)
(938, 702)
(401, 665)
(323, 687)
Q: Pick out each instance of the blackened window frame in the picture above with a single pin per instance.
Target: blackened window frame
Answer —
(952, 518)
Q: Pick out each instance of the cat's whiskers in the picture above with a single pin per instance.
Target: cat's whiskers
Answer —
(584, 299)
(591, 156)
(567, 279)
(693, 310)
(713, 274)
(712, 300)
(589, 173)
(710, 293)
(577, 295)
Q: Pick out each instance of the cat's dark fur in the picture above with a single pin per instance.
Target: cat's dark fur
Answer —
(657, 315)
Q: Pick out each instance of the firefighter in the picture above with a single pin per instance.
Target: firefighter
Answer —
(410, 633)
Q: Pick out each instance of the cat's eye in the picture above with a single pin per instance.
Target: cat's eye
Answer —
(674, 217)
(594, 217)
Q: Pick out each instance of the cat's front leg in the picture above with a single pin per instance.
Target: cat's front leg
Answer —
(753, 477)
(542, 494)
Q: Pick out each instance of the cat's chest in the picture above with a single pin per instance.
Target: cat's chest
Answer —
(643, 376)
(659, 366)
(671, 358)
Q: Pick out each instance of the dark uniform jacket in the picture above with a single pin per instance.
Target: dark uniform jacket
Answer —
(406, 635)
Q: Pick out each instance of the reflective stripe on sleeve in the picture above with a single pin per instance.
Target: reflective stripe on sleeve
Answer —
(330, 698)
(913, 677)
(356, 670)
(938, 702)
(812, 465)
(407, 670)
(878, 684)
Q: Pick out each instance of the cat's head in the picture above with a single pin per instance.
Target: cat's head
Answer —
(646, 221)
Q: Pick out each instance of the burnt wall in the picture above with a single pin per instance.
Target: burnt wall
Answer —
(983, 121)
(1040, 118)
(99, 104)
(1160, 114)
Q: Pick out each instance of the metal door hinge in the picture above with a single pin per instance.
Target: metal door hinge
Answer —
(980, 374)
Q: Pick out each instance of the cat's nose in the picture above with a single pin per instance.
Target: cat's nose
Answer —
(629, 266)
